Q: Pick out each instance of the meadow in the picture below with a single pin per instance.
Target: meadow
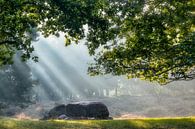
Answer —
(146, 123)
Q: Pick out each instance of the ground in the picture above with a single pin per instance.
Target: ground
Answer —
(146, 123)
(131, 106)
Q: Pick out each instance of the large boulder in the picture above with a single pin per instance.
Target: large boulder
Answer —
(55, 112)
(79, 110)
(87, 109)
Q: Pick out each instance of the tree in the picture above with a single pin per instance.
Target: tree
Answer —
(156, 41)
(148, 39)
(19, 17)
(18, 81)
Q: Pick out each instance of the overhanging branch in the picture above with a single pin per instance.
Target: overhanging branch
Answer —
(7, 42)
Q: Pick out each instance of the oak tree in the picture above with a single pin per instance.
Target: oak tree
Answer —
(149, 39)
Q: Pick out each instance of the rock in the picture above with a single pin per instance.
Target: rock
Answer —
(87, 109)
(56, 112)
(63, 116)
(79, 110)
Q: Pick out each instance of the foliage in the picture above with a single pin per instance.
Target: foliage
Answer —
(156, 41)
(18, 18)
(168, 123)
(18, 81)
(148, 39)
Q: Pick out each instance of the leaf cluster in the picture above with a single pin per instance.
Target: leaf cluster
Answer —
(148, 39)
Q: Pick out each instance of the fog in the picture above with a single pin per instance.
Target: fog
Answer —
(61, 77)
(63, 71)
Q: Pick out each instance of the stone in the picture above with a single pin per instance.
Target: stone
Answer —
(79, 110)
(56, 112)
(63, 116)
(87, 109)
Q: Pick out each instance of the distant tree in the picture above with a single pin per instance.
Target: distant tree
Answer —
(148, 39)
(16, 83)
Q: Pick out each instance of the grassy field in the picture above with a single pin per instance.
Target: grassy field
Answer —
(153, 123)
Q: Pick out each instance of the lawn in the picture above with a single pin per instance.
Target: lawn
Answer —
(148, 123)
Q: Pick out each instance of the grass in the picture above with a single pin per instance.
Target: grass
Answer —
(148, 123)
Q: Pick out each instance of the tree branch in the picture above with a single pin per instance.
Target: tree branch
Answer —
(7, 42)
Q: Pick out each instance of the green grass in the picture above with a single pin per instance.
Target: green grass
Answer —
(153, 123)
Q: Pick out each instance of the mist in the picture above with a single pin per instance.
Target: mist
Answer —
(60, 76)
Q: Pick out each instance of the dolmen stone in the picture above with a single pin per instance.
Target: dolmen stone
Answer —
(79, 110)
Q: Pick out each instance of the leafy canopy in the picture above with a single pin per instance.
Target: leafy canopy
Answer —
(155, 41)
(149, 39)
